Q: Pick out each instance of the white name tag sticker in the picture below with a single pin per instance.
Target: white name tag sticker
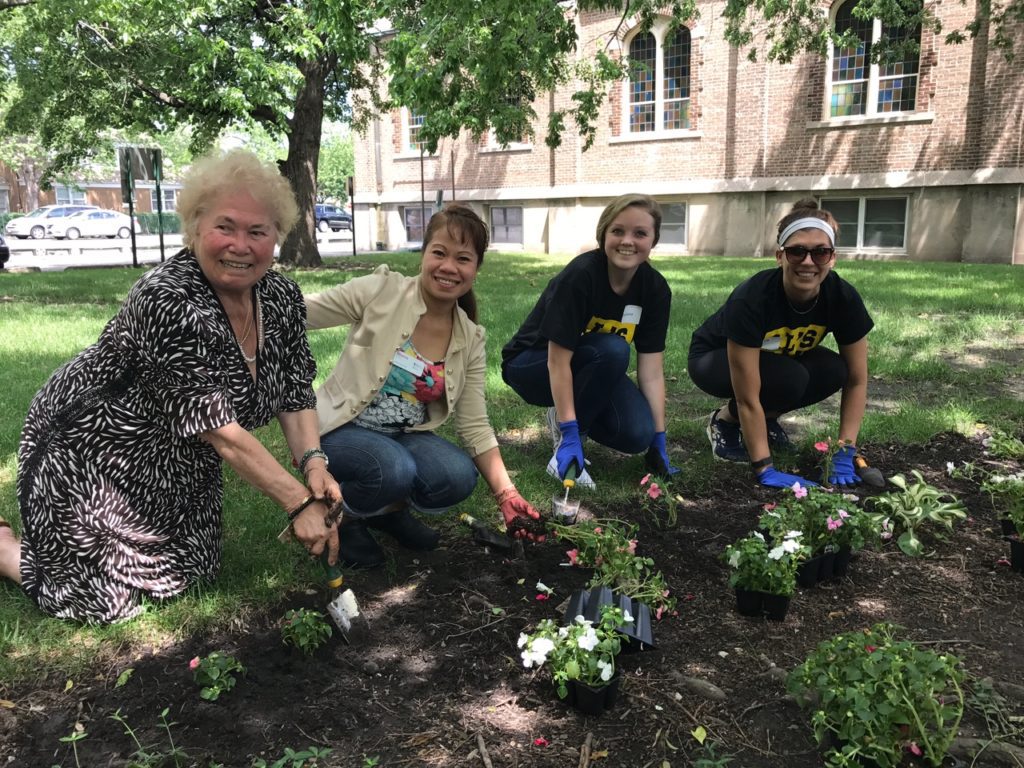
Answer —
(631, 314)
(771, 343)
(410, 364)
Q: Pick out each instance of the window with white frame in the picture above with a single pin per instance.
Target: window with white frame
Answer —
(411, 125)
(507, 224)
(658, 90)
(414, 218)
(859, 87)
(170, 199)
(673, 224)
(69, 195)
(870, 222)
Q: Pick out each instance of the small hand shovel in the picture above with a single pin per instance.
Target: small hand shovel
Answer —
(487, 536)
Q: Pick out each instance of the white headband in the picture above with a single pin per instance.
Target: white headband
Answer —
(808, 222)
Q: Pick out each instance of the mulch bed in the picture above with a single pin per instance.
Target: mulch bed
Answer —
(435, 672)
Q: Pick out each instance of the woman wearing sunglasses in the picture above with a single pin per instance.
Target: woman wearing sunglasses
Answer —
(762, 350)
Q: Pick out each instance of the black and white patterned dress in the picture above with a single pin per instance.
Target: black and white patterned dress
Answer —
(119, 496)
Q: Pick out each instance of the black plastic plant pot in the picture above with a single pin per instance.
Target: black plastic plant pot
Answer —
(841, 566)
(749, 602)
(818, 568)
(1007, 527)
(638, 635)
(594, 701)
(1017, 555)
(775, 606)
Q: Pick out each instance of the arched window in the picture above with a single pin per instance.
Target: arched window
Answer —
(859, 87)
(659, 81)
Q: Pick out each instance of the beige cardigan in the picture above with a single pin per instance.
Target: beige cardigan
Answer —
(383, 309)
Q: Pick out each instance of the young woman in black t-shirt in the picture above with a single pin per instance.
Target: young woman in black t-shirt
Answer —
(572, 352)
(762, 350)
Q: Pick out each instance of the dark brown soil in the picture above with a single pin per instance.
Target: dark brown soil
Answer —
(437, 667)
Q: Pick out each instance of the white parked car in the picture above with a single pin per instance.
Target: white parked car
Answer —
(35, 224)
(97, 223)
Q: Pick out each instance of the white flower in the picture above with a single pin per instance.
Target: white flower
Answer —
(734, 559)
(851, 497)
(588, 641)
(950, 466)
(626, 618)
(606, 670)
(523, 639)
(793, 535)
(759, 535)
(789, 545)
(542, 587)
(776, 554)
(537, 652)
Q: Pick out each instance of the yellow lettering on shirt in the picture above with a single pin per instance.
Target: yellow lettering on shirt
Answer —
(793, 341)
(601, 325)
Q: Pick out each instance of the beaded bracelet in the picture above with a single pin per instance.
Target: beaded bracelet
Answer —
(504, 495)
(312, 453)
(310, 499)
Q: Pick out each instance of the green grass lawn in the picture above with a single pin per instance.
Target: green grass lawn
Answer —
(946, 353)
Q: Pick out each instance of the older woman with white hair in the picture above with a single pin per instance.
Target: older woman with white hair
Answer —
(761, 350)
(119, 483)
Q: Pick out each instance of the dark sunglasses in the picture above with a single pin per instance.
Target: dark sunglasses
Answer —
(819, 254)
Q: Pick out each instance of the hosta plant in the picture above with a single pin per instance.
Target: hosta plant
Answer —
(912, 507)
(876, 697)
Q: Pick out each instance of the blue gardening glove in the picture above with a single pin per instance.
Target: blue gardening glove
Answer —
(772, 478)
(843, 472)
(570, 448)
(657, 457)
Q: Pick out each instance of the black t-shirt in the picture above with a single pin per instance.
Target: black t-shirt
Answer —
(758, 314)
(579, 300)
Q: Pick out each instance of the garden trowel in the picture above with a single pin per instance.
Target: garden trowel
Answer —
(343, 609)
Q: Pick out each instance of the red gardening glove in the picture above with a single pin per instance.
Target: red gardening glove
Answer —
(521, 520)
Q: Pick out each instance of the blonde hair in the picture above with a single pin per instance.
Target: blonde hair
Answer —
(621, 203)
(238, 170)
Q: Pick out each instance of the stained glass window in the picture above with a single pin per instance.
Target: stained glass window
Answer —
(677, 80)
(642, 74)
(859, 87)
(415, 123)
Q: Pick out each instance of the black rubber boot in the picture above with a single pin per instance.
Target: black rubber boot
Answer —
(358, 548)
(406, 530)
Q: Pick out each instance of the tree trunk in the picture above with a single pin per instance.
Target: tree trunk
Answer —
(300, 166)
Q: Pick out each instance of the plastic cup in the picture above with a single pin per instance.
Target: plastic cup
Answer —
(564, 510)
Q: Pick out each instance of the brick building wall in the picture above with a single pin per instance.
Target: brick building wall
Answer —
(760, 136)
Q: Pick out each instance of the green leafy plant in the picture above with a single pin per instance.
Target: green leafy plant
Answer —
(659, 501)
(708, 757)
(829, 520)
(1005, 489)
(609, 547)
(309, 757)
(912, 507)
(215, 674)
(150, 757)
(828, 448)
(305, 629)
(1002, 445)
(583, 651)
(77, 734)
(876, 697)
(762, 568)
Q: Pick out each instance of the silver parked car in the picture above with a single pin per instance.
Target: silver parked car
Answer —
(97, 223)
(35, 224)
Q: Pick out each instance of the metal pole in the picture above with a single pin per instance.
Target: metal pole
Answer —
(352, 200)
(131, 213)
(157, 173)
(423, 200)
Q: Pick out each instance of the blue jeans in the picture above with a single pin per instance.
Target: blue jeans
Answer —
(609, 407)
(375, 470)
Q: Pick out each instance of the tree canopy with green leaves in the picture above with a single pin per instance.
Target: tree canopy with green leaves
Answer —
(72, 69)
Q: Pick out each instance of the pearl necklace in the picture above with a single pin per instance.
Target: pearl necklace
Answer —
(251, 360)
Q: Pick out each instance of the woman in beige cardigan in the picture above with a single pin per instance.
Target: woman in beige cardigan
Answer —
(414, 356)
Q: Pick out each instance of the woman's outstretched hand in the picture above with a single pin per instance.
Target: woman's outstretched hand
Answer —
(521, 520)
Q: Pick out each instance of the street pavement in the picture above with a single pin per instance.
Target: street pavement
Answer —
(50, 255)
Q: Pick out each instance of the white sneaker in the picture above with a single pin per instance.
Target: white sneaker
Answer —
(556, 434)
(583, 479)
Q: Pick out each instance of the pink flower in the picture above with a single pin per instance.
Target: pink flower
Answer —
(654, 491)
(833, 524)
(1002, 561)
(540, 741)
(798, 490)
(645, 479)
(769, 507)
(657, 613)
(597, 529)
(574, 556)
(821, 445)
(843, 514)
(541, 596)
(631, 549)
(914, 748)
(870, 648)
(194, 663)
